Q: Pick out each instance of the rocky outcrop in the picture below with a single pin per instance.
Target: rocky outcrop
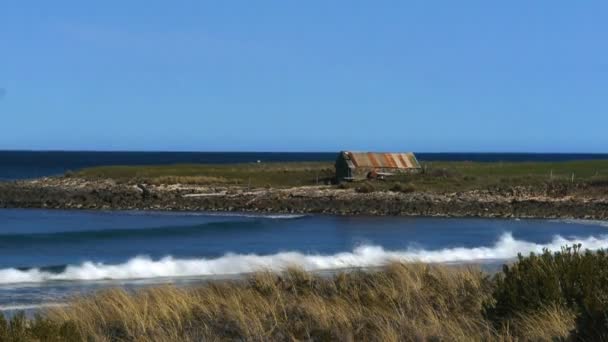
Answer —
(522, 202)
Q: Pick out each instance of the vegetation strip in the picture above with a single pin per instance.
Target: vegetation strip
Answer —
(540, 190)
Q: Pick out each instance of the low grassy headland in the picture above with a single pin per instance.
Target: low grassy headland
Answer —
(549, 297)
(436, 176)
(248, 175)
(445, 177)
(542, 190)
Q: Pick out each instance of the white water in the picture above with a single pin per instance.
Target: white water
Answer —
(19, 307)
(364, 256)
(216, 214)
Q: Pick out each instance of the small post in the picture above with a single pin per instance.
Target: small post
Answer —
(572, 177)
(551, 175)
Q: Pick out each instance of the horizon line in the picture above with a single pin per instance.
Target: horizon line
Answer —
(301, 152)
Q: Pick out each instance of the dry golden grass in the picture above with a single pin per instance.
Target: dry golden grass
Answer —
(548, 324)
(401, 302)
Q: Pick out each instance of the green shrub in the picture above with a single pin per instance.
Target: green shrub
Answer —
(404, 188)
(365, 188)
(572, 279)
(442, 173)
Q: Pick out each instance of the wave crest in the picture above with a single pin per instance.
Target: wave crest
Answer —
(142, 267)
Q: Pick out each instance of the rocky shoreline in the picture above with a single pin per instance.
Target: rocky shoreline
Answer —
(77, 193)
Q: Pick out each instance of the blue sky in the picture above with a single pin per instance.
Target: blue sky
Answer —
(304, 75)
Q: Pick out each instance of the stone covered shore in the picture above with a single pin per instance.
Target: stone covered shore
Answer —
(519, 202)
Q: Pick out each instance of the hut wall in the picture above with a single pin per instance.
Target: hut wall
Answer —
(342, 169)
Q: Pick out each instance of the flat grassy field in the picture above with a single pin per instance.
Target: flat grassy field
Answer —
(436, 176)
(251, 174)
(459, 176)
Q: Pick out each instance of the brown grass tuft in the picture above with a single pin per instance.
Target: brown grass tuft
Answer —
(552, 323)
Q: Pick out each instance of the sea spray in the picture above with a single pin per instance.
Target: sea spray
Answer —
(142, 267)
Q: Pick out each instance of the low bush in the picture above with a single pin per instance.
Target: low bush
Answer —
(441, 173)
(572, 279)
(404, 188)
(365, 188)
(598, 181)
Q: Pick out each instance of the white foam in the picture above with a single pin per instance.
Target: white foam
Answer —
(142, 267)
(235, 214)
(19, 307)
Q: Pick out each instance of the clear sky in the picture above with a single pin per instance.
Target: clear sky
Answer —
(304, 75)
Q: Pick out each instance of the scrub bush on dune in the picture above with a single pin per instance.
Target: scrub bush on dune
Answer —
(404, 188)
(572, 279)
(365, 188)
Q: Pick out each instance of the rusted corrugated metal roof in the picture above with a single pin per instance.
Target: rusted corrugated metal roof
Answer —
(381, 160)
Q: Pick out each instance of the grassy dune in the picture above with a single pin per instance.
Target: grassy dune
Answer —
(437, 176)
(549, 297)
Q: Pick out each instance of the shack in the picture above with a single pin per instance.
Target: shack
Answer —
(360, 165)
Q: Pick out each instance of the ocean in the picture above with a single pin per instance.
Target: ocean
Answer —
(46, 256)
(32, 164)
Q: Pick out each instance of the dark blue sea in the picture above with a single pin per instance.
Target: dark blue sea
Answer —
(48, 255)
(32, 164)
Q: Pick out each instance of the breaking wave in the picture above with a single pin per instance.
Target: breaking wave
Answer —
(142, 267)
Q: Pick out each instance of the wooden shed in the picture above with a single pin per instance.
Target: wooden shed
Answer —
(361, 165)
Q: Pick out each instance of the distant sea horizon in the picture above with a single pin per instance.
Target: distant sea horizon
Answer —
(27, 164)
